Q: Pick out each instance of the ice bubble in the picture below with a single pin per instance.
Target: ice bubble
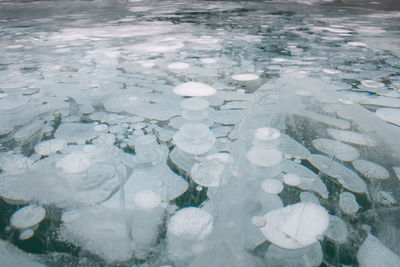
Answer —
(295, 226)
(178, 66)
(264, 158)
(391, 115)
(329, 71)
(372, 84)
(348, 203)
(194, 138)
(209, 171)
(309, 180)
(266, 137)
(337, 229)
(146, 200)
(336, 149)
(309, 197)
(370, 169)
(208, 60)
(245, 77)
(272, 186)
(384, 198)
(194, 89)
(373, 252)
(397, 171)
(258, 221)
(344, 175)
(26, 234)
(100, 128)
(352, 137)
(194, 104)
(14, 164)
(10, 256)
(303, 93)
(75, 132)
(75, 162)
(191, 223)
(292, 179)
(359, 44)
(309, 256)
(49, 146)
(27, 216)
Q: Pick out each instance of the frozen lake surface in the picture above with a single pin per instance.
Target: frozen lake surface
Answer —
(199, 133)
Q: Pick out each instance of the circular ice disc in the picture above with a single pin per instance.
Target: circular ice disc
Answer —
(27, 216)
(191, 223)
(245, 77)
(194, 89)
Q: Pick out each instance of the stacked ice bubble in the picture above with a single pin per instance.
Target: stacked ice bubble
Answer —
(157, 133)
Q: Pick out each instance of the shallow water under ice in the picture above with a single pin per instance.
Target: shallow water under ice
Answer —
(199, 133)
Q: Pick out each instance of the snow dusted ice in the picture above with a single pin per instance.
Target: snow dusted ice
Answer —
(199, 133)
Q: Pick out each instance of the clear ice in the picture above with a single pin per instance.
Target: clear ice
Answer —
(199, 133)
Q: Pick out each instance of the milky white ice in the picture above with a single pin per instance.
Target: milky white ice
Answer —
(374, 253)
(272, 186)
(194, 89)
(49, 146)
(264, 158)
(245, 77)
(296, 226)
(146, 200)
(348, 203)
(191, 223)
(178, 66)
(27, 216)
(371, 170)
(391, 115)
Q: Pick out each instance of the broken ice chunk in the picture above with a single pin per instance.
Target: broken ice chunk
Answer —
(348, 203)
(374, 253)
(352, 137)
(370, 169)
(27, 216)
(296, 226)
(336, 149)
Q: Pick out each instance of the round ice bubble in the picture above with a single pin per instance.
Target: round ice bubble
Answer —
(194, 103)
(191, 223)
(178, 66)
(264, 158)
(146, 200)
(295, 226)
(272, 186)
(370, 169)
(194, 89)
(372, 84)
(49, 146)
(245, 77)
(26, 234)
(27, 216)
(337, 230)
(292, 179)
(348, 203)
